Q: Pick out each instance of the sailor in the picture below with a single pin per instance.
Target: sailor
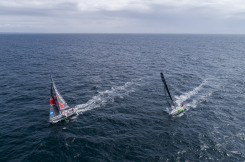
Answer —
(75, 111)
(66, 114)
(181, 108)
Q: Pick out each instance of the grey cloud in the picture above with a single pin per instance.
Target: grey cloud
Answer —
(157, 18)
(39, 11)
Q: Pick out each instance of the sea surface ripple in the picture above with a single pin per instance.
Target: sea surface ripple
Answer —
(114, 81)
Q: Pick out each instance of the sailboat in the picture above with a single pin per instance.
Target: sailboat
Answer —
(173, 108)
(61, 111)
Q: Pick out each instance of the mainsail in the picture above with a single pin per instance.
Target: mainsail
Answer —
(54, 111)
(167, 93)
(62, 104)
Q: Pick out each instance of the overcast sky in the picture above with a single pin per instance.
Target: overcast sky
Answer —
(123, 16)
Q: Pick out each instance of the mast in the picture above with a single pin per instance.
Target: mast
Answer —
(61, 102)
(166, 90)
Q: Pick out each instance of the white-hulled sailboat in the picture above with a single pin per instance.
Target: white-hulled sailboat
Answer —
(62, 111)
(173, 109)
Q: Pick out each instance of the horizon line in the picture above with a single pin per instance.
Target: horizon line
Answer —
(122, 33)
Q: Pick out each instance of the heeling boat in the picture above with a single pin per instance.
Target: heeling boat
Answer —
(62, 111)
(173, 108)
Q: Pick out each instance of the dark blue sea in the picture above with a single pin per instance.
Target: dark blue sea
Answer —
(114, 81)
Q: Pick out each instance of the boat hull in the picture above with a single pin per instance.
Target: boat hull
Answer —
(176, 112)
(63, 116)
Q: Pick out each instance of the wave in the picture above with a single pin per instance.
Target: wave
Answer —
(107, 96)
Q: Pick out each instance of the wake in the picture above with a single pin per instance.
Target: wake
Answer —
(182, 98)
(107, 96)
(199, 94)
(188, 96)
(191, 94)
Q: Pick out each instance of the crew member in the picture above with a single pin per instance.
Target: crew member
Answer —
(181, 108)
(66, 114)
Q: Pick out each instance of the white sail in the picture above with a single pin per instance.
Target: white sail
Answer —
(61, 102)
(54, 111)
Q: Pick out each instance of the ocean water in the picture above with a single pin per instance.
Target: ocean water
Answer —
(114, 81)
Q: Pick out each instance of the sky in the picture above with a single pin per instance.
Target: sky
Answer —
(123, 16)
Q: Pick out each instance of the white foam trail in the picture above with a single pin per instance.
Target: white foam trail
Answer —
(107, 96)
(187, 95)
